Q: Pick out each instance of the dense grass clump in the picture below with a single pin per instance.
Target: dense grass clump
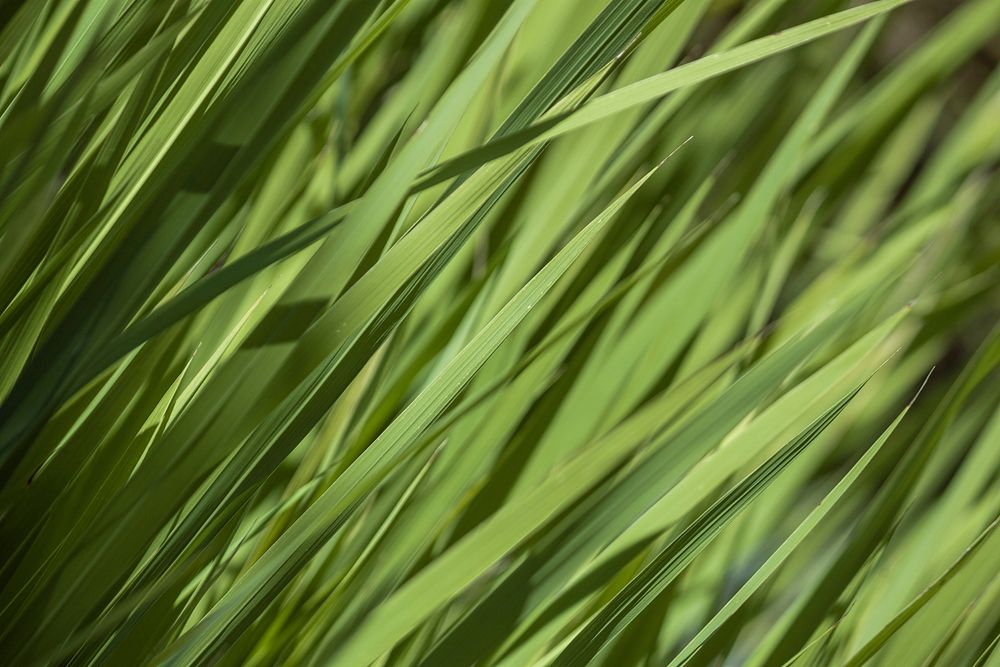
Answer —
(434, 333)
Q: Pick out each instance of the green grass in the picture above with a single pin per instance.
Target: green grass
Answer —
(423, 333)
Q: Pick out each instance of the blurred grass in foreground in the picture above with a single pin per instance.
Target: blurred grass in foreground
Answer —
(528, 332)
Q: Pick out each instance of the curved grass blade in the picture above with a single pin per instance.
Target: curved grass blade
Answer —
(873, 645)
(655, 87)
(301, 540)
(781, 554)
(639, 593)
